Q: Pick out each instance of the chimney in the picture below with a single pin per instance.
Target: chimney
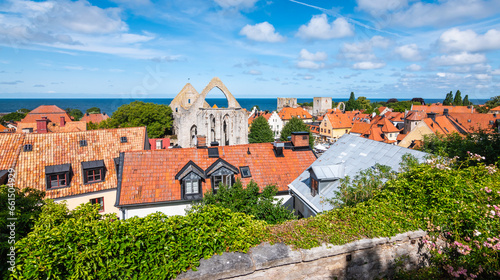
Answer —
(201, 141)
(300, 139)
(62, 122)
(278, 149)
(432, 116)
(445, 112)
(41, 125)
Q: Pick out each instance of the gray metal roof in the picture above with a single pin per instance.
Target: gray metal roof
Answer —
(326, 172)
(353, 153)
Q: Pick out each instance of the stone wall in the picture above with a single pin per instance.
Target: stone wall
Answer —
(362, 259)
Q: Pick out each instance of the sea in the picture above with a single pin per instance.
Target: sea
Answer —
(109, 105)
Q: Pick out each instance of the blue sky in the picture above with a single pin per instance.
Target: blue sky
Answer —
(306, 48)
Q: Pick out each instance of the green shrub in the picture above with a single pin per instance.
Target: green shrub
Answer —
(82, 244)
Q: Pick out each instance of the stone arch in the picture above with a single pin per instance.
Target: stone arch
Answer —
(217, 83)
(193, 132)
(226, 130)
(341, 106)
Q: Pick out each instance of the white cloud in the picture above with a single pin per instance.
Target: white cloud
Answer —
(363, 51)
(320, 28)
(368, 65)
(236, 3)
(409, 52)
(482, 77)
(318, 56)
(444, 12)
(308, 64)
(253, 72)
(462, 58)
(262, 32)
(413, 67)
(468, 40)
(377, 7)
(495, 72)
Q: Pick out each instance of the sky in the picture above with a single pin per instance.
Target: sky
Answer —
(276, 48)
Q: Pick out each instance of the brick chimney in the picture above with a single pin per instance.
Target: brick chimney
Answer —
(62, 122)
(201, 141)
(41, 125)
(300, 139)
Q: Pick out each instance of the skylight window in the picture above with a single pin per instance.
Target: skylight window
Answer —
(83, 143)
(245, 172)
(123, 139)
(213, 152)
(28, 148)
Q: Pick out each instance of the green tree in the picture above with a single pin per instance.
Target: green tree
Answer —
(364, 103)
(93, 110)
(157, 118)
(449, 99)
(249, 200)
(352, 104)
(23, 110)
(28, 206)
(260, 131)
(75, 113)
(15, 117)
(457, 101)
(466, 101)
(295, 125)
(493, 102)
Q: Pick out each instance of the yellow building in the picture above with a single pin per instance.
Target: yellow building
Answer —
(334, 126)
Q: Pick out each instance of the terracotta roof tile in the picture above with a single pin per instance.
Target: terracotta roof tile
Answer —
(361, 128)
(497, 108)
(441, 125)
(52, 112)
(439, 108)
(258, 114)
(288, 112)
(416, 116)
(475, 122)
(63, 148)
(3, 128)
(149, 176)
(10, 145)
(338, 120)
(94, 118)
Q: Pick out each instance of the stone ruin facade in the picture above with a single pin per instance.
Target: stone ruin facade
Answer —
(194, 118)
(286, 102)
(321, 105)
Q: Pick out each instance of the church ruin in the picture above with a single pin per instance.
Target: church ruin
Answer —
(195, 120)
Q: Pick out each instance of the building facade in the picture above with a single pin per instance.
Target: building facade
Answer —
(321, 105)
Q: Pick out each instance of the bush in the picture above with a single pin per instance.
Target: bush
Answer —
(263, 206)
(82, 244)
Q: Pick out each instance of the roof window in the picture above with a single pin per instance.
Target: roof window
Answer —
(57, 176)
(28, 148)
(213, 152)
(245, 172)
(93, 171)
(123, 139)
(83, 143)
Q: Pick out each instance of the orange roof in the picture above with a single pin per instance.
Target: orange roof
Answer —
(441, 125)
(387, 127)
(73, 126)
(313, 128)
(401, 136)
(63, 148)
(52, 112)
(361, 128)
(10, 145)
(395, 116)
(288, 112)
(439, 108)
(94, 118)
(258, 114)
(497, 108)
(475, 122)
(381, 109)
(339, 120)
(149, 176)
(2, 128)
(416, 116)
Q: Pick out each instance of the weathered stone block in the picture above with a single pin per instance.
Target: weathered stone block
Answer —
(326, 250)
(267, 256)
(221, 266)
(416, 234)
(399, 237)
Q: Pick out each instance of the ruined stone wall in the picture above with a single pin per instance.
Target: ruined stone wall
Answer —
(321, 105)
(362, 259)
(286, 102)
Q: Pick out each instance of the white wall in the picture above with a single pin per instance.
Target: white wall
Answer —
(109, 200)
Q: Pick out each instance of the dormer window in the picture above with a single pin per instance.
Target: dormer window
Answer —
(57, 176)
(221, 172)
(191, 177)
(93, 171)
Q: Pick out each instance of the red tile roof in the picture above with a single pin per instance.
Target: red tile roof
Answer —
(10, 145)
(476, 122)
(439, 108)
(258, 114)
(395, 116)
(2, 128)
(149, 176)
(497, 108)
(387, 127)
(441, 125)
(338, 120)
(416, 116)
(94, 118)
(52, 112)
(288, 112)
(63, 148)
(361, 128)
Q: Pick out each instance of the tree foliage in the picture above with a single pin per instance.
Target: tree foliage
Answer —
(15, 117)
(449, 99)
(457, 101)
(93, 110)
(260, 131)
(27, 208)
(352, 103)
(493, 102)
(295, 125)
(157, 118)
(249, 200)
(401, 106)
(466, 101)
(75, 113)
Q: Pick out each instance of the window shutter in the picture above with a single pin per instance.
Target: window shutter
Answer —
(47, 181)
(85, 178)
